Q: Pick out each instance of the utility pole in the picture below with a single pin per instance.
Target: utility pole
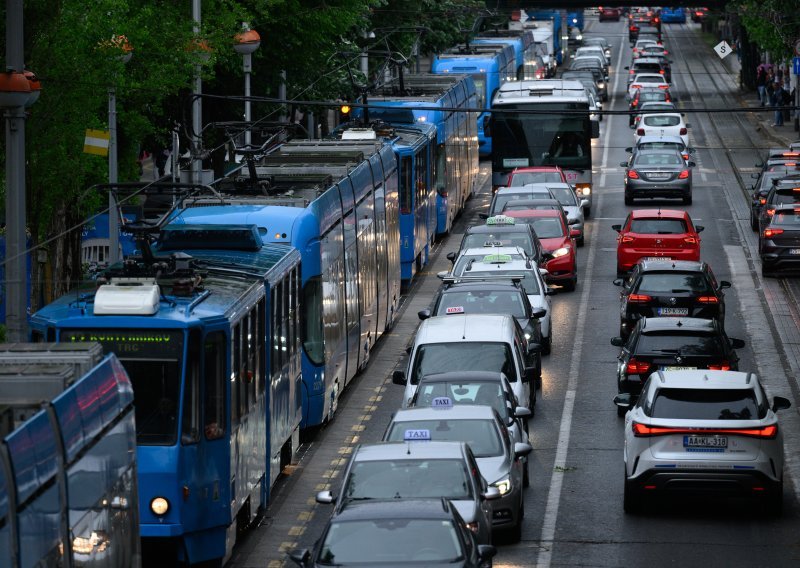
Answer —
(197, 103)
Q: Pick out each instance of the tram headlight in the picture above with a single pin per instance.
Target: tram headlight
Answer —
(159, 506)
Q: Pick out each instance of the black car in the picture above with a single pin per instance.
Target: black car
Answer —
(597, 72)
(672, 344)
(779, 241)
(784, 191)
(583, 74)
(505, 232)
(677, 288)
(646, 95)
(490, 297)
(764, 182)
(427, 532)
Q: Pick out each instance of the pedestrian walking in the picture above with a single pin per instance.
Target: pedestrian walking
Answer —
(777, 101)
(161, 159)
(761, 84)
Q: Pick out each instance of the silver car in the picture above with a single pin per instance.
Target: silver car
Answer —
(499, 459)
(398, 470)
(658, 173)
(572, 204)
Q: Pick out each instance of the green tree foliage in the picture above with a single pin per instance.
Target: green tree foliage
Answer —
(773, 24)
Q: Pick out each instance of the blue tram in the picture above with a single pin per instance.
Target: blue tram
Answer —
(208, 328)
(490, 65)
(523, 43)
(454, 163)
(337, 203)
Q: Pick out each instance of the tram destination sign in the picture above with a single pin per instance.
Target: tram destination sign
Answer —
(131, 343)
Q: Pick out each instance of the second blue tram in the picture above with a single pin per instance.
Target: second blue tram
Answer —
(209, 333)
(523, 43)
(416, 99)
(337, 203)
(490, 66)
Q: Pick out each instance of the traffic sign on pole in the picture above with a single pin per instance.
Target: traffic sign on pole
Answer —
(723, 49)
(795, 65)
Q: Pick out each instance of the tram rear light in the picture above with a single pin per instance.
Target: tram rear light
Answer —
(185, 492)
(159, 506)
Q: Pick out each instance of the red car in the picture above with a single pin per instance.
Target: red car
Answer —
(536, 174)
(612, 14)
(558, 242)
(656, 233)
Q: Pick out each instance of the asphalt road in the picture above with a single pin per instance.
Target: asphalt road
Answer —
(573, 509)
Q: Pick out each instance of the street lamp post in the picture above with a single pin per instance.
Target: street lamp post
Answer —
(246, 44)
(113, 214)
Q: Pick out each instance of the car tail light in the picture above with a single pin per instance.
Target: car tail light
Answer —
(698, 13)
(690, 240)
(633, 174)
(627, 239)
(664, 87)
(636, 367)
(791, 154)
(762, 201)
(722, 366)
(769, 233)
(683, 132)
(643, 430)
(685, 156)
(639, 298)
(640, 131)
(631, 71)
(635, 86)
(684, 174)
(708, 300)
(661, 71)
(770, 213)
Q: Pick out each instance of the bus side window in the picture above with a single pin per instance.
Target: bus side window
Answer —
(214, 371)
(190, 422)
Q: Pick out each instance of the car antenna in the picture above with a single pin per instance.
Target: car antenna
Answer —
(464, 331)
(679, 324)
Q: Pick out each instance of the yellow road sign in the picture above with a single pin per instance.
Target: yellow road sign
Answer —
(96, 142)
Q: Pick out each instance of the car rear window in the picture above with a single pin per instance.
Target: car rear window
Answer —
(399, 479)
(653, 96)
(674, 282)
(647, 67)
(482, 302)
(658, 226)
(665, 159)
(506, 238)
(662, 120)
(705, 404)
(501, 199)
(481, 434)
(680, 344)
(784, 218)
(660, 146)
(486, 393)
(786, 198)
(525, 178)
(526, 205)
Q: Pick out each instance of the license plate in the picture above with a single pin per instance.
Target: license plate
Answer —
(658, 176)
(705, 442)
(673, 311)
(794, 251)
(651, 258)
(678, 368)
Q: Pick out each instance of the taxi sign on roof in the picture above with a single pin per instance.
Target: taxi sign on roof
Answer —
(455, 310)
(500, 220)
(417, 435)
(442, 403)
(499, 258)
(493, 244)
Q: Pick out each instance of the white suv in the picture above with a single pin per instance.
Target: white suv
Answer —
(692, 431)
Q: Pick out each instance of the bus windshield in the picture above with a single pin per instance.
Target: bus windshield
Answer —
(153, 360)
(541, 139)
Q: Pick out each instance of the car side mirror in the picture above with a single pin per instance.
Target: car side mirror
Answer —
(691, 164)
(584, 203)
(724, 284)
(623, 164)
(736, 343)
(451, 256)
(759, 165)
(617, 341)
(491, 493)
(617, 228)
(626, 68)
(325, 497)
(300, 557)
(629, 149)
(533, 348)
(688, 125)
(618, 282)
(522, 412)
(574, 233)
(780, 403)
(539, 313)
(690, 150)
(543, 271)
(624, 400)
(399, 378)
(442, 274)
(699, 228)
(486, 551)
(483, 215)
(424, 314)
(522, 449)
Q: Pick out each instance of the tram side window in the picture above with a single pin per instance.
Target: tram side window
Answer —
(285, 326)
(260, 335)
(190, 423)
(236, 377)
(214, 370)
(251, 355)
(277, 323)
(440, 169)
(406, 185)
(311, 331)
(420, 166)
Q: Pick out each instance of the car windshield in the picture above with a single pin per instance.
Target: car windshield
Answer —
(372, 542)
(674, 282)
(661, 120)
(486, 393)
(480, 433)
(482, 302)
(524, 178)
(506, 238)
(399, 479)
(683, 344)
(658, 226)
(565, 195)
(660, 159)
(705, 404)
(548, 227)
(463, 356)
(527, 206)
(501, 199)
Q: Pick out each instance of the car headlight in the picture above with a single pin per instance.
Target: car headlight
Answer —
(559, 252)
(585, 190)
(159, 506)
(503, 485)
(527, 335)
(473, 527)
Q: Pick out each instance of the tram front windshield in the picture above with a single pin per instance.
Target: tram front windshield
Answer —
(153, 360)
(522, 138)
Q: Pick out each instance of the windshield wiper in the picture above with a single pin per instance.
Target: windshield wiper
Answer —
(679, 290)
(671, 351)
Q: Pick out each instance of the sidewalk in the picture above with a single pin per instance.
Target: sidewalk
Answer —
(781, 135)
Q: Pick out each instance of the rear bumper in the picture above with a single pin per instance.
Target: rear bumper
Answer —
(627, 258)
(682, 189)
(779, 259)
(734, 482)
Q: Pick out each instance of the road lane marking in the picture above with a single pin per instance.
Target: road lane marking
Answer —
(607, 145)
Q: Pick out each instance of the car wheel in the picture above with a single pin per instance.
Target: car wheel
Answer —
(764, 272)
(547, 343)
(621, 412)
(569, 285)
(753, 223)
(774, 503)
(526, 478)
(587, 212)
(580, 242)
(631, 499)
(687, 200)
(516, 532)
(628, 200)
